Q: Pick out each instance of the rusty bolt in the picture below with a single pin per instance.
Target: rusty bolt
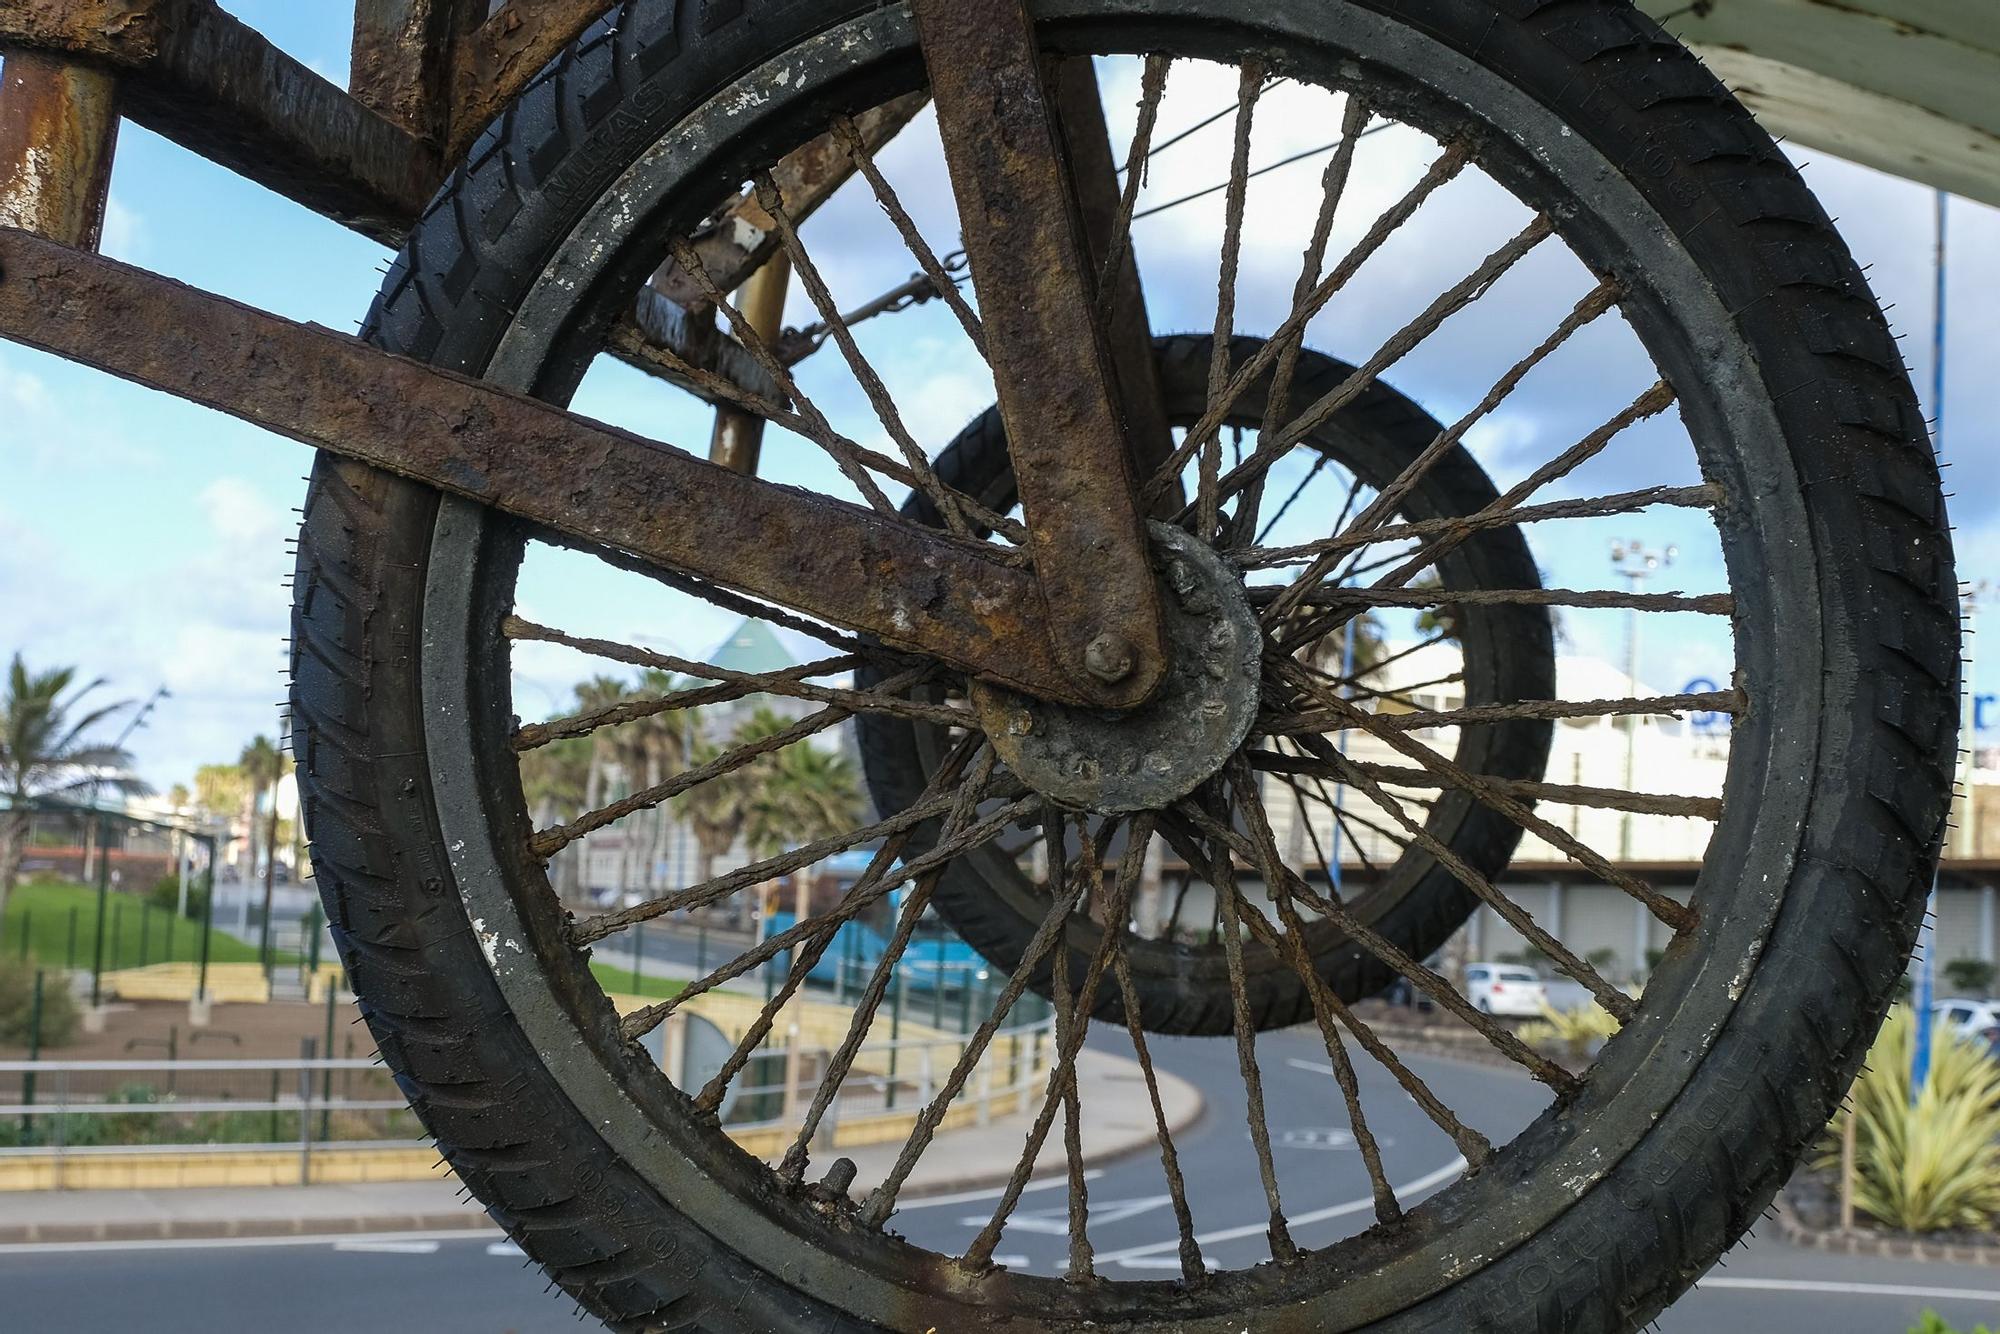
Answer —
(1109, 658)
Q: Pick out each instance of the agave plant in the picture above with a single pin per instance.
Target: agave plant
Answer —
(1932, 1163)
(1575, 1028)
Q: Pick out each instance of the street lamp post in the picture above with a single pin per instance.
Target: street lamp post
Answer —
(1637, 563)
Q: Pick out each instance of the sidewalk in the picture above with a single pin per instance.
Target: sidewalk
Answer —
(1120, 1121)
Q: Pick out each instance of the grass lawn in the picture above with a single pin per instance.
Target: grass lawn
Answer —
(619, 980)
(41, 911)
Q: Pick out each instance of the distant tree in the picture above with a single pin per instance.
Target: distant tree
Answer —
(263, 765)
(555, 778)
(1970, 977)
(46, 750)
(803, 793)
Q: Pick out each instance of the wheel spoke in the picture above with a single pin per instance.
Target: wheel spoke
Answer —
(789, 683)
(547, 842)
(980, 1253)
(1292, 948)
(1329, 1007)
(1275, 445)
(1222, 877)
(1047, 935)
(1611, 998)
(793, 1169)
(1152, 85)
(1709, 604)
(1066, 1024)
(1562, 794)
(1277, 403)
(819, 430)
(1424, 979)
(1192, 1267)
(1330, 719)
(1704, 496)
(643, 1021)
(864, 373)
(1250, 82)
(926, 258)
(1447, 165)
(1379, 511)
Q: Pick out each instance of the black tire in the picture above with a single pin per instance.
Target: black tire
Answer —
(1509, 656)
(1717, 1108)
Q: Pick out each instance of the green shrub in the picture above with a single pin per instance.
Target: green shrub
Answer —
(1969, 977)
(17, 1004)
(166, 896)
(1930, 1322)
(1576, 1029)
(1935, 1163)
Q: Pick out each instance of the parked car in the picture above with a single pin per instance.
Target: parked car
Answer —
(1509, 989)
(1968, 1018)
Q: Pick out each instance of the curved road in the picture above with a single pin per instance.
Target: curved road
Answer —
(478, 1285)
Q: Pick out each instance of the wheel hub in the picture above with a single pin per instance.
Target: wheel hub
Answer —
(1149, 756)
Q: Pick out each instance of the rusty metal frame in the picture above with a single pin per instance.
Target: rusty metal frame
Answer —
(1025, 239)
(1083, 627)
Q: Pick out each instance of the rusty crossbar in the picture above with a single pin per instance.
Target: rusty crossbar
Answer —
(590, 483)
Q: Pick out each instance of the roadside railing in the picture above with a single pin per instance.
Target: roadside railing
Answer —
(66, 1124)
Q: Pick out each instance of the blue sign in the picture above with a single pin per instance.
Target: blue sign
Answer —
(1706, 720)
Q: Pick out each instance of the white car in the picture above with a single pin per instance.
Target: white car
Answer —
(1506, 989)
(1968, 1018)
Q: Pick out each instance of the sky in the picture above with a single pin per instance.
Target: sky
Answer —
(145, 540)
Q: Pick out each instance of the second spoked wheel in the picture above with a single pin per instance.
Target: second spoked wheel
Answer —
(1484, 654)
(1756, 400)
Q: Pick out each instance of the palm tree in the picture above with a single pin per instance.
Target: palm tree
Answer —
(46, 750)
(556, 781)
(263, 766)
(804, 793)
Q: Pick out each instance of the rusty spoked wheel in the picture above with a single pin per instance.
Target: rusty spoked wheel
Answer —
(1710, 362)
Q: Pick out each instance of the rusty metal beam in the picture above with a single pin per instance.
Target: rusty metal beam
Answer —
(215, 86)
(491, 66)
(1128, 334)
(594, 484)
(744, 237)
(1057, 393)
(58, 133)
(401, 58)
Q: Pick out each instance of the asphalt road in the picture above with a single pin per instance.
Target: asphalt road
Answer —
(478, 1285)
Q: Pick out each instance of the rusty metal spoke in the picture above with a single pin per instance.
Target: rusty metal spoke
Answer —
(1479, 787)
(1705, 496)
(1562, 794)
(1063, 1075)
(1066, 1024)
(882, 1201)
(545, 843)
(1708, 604)
(1448, 165)
(628, 344)
(733, 685)
(1329, 1010)
(864, 374)
(1275, 444)
(643, 1021)
(1222, 878)
(1383, 507)
(1649, 403)
(965, 805)
(818, 429)
(1152, 86)
(1277, 403)
(1611, 998)
(1192, 1267)
(927, 260)
(1424, 979)
(1250, 82)
(1328, 719)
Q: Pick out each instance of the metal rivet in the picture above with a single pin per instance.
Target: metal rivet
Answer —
(1108, 658)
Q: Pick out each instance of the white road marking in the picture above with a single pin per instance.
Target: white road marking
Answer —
(1011, 1261)
(389, 1247)
(967, 1196)
(1851, 1289)
(235, 1243)
(1160, 1262)
(504, 1248)
(1055, 1222)
(1425, 1182)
